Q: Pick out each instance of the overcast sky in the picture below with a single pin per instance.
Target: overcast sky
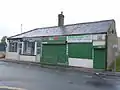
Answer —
(43, 13)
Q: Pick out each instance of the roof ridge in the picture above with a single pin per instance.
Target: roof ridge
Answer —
(90, 22)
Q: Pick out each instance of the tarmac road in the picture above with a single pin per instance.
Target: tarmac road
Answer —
(31, 77)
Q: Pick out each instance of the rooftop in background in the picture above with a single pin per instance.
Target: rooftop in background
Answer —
(79, 28)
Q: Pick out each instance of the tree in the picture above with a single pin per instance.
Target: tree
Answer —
(3, 40)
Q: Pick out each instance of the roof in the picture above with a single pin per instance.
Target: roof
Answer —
(79, 28)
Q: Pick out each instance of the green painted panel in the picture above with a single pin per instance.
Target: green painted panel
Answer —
(54, 54)
(99, 58)
(80, 50)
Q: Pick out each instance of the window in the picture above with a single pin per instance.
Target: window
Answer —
(13, 47)
(29, 48)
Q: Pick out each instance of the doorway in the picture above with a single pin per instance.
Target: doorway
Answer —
(99, 58)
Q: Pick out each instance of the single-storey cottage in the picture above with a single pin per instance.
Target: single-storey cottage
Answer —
(90, 44)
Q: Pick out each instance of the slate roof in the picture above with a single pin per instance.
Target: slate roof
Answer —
(79, 28)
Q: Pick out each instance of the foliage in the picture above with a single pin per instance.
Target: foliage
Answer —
(3, 40)
(117, 65)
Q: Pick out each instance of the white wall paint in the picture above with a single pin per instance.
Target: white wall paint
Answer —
(27, 58)
(97, 43)
(15, 56)
(35, 51)
(111, 49)
(79, 38)
(11, 55)
(88, 63)
(38, 58)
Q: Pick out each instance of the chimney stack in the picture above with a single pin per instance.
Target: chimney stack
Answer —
(61, 19)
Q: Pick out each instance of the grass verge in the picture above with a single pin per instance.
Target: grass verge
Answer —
(118, 64)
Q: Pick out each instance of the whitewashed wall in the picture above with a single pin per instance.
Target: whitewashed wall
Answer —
(79, 62)
(38, 58)
(112, 49)
(27, 58)
(11, 55)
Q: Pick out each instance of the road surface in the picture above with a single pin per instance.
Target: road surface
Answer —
(36, 78)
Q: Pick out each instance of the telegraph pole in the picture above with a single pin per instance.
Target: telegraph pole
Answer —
(21, 28)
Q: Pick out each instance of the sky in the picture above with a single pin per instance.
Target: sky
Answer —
(44, 13)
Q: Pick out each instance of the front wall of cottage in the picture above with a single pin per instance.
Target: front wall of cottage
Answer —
(74, 50)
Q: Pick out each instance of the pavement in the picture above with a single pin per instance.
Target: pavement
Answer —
(33, 77)
(81, 69)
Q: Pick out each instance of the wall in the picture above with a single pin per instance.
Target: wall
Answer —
(88, 63)
(78, 50)
(112, 41)
(27, 58)
(80, 54)
(15, 56)
(38, 58)
(11, 55)
(81, 51)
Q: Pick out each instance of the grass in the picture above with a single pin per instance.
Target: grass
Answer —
(118, 64)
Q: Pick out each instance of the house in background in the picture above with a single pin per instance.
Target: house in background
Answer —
(89, 45)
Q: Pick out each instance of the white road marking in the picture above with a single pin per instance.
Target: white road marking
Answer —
(11, 88)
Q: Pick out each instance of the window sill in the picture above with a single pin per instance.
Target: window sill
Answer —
(27, 55)
(13, 51)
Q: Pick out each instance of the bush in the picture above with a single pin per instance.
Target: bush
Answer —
(2, 55)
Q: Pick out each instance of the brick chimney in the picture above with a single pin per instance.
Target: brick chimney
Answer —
(61, 19)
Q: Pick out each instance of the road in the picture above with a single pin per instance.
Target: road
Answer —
(38, 78)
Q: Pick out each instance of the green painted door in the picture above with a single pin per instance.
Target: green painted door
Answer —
(54, 53)
(99, 58)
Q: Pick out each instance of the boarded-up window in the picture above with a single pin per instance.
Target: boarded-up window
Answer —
(54, 53)
(80, 50)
